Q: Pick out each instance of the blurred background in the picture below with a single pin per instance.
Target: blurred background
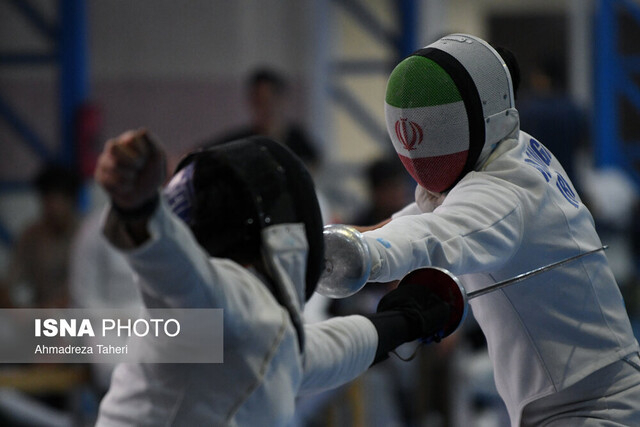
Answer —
(312, 74)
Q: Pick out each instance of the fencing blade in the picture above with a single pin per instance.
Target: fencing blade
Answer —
(535, 272)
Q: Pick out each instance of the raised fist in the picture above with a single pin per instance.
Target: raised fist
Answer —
(131, 168)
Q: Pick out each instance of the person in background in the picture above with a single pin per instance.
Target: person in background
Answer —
(267, 98)
(548, 112)
(38, 273)
(38, 277)
(389, 189)
(267, 92)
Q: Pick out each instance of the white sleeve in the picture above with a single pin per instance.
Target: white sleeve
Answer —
(337, 351)
(411, 209)
(85, 271)
(476, 229)
(99, 276)
(170, 265)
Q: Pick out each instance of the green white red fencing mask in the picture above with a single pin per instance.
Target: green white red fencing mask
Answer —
(446, 105)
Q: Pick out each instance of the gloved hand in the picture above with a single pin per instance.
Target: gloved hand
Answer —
(407, 313)
(131, 169)
(427, 314)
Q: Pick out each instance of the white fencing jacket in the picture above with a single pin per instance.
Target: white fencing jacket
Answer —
(263, 367)
(516, 213)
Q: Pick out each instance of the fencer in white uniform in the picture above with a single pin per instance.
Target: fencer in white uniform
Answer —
(493, 202)
(238, 228)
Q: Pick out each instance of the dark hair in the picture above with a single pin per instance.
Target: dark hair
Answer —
(383, 170)
(512, 64)
(55, 178)
(267, 75)
(553, 69)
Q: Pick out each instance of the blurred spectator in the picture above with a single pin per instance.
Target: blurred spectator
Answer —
(267, 96)
(549, 113)
(38, 277)
(389, 187)
(38, 273)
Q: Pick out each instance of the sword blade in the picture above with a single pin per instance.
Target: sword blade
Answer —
(535, 272)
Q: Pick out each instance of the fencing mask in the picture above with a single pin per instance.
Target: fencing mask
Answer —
(228, 194)
(446, 105)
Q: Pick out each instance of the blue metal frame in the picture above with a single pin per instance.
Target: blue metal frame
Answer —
(29, 136)
(605, 151)
(28, 58)
(605, 148)
(613, 80)
(74, 75)
(36, 19)
(358, 112)
(407, 42)
(367, 20)
(69, 52)
(403, 42)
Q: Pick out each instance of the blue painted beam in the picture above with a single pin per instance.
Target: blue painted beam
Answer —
(407, 43)
(14, 186)
(34, 58)
(6, 237)
(36, 18)
(74, 75)
(369, 22)
(632, 8)
(606, 145)
(29, 136)
(368, 123)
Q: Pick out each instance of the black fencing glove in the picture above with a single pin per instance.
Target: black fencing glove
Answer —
(405, 314)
